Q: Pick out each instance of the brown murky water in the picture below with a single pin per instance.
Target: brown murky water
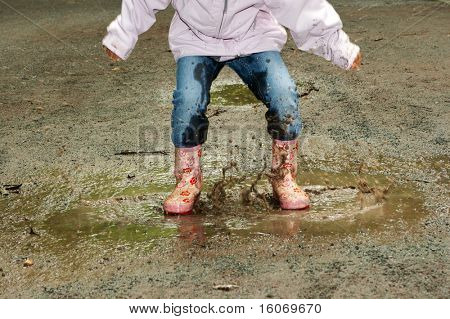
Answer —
(111, 212)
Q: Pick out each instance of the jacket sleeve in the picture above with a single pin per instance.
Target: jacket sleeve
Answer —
(136, 17)
(316, 28)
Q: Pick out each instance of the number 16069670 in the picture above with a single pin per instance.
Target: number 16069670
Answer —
(291, 308)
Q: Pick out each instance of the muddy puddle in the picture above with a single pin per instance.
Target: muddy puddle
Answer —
(341, 203)
(110, 211)
(233, 94)
(239, 94)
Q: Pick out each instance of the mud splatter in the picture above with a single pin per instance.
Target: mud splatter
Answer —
(252, 196)
(218, 194)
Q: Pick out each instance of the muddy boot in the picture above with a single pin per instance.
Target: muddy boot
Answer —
(284, 173)
(189, 181)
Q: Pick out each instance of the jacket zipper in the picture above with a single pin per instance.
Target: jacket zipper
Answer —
(225, 8)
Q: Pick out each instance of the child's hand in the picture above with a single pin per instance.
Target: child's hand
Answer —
(111, 54)
(357, 63)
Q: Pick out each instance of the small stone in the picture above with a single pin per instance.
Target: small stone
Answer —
(225, 287)
(28, 262)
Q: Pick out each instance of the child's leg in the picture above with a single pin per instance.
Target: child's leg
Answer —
(191, 98)
(267, 76)
(189, 129)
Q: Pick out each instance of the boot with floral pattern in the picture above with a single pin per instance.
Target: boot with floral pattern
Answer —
(284, 173)
(188, 175)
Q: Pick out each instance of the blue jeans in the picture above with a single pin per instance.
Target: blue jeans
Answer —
(264, 73)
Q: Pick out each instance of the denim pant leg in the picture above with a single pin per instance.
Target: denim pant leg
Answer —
(191, 98)
(268, 78)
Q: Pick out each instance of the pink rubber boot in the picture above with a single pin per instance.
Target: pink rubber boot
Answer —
(284, 173)
(189, 181)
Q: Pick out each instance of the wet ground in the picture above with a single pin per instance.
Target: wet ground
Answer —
(86, 160)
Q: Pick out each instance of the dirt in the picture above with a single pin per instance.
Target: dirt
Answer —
(86, 161)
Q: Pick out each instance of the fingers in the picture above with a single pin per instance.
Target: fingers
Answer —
(111, 54)
(357, 63)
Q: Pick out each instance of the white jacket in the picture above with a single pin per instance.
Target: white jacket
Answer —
(232, 28)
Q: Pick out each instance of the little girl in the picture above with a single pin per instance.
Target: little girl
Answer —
(247, 36)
